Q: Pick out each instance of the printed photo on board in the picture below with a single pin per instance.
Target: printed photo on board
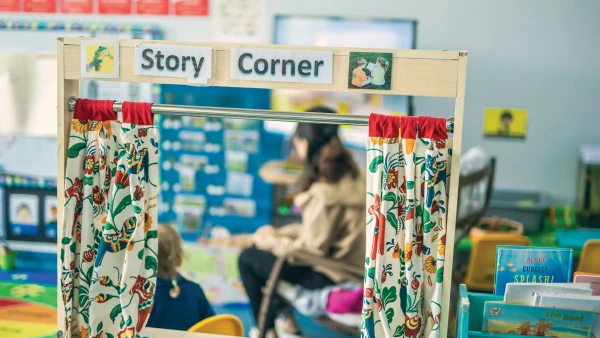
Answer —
(50, 216)
(505, 122)
(100, 59)
(24, 214)
(370, 71)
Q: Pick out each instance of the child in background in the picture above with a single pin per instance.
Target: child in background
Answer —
(178, 303)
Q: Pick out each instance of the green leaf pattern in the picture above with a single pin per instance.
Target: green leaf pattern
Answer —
(406, 184)
(110, 239)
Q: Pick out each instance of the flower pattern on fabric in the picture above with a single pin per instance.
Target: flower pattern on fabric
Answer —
(406, 235)
(108, 253)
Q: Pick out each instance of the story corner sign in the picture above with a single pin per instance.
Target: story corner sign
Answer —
(280, 65)
(191, 63)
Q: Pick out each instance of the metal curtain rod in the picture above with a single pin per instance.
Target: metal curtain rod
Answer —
(252, 114)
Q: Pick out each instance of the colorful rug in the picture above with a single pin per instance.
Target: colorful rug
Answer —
(27, 310)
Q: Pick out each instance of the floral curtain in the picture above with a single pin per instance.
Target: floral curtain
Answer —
(408, 162)
(109, 242)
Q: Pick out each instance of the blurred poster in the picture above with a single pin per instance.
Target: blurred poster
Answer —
(152, 7)
(77, 6)
(10, 6)
(216, 269)
(240, 20)
(505, 122)
(39, 6)
(192, 7)
(114, 6)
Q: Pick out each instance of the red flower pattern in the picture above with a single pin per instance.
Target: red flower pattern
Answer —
(88, 164)
(122, 179)
(138, 194)
(142, 132)
(97, 196)
(415, 284)
(75, 189)
(391, 179)
(88, 255)
(102, 162)
(440, 144)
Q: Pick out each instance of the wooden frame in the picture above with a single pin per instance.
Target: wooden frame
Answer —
(415, 72)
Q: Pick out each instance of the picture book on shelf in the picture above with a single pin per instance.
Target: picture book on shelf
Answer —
(524, 293)
(572, 302)
(524, 264)
(586, 277)
(523, 320)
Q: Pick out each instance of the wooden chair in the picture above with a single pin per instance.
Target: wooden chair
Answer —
(225, 325)
(589, 260)
(351, 273)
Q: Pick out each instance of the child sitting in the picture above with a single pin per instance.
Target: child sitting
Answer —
(178, 303)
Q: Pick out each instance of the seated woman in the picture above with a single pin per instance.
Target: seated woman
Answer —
(178, 303)
(333, 219)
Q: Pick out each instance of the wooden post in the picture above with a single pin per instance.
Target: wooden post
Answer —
(66, 89)
(459, 107)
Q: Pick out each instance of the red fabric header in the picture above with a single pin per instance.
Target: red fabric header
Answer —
(410, 127)
(386, 126)
(138, 113)
(95, 110)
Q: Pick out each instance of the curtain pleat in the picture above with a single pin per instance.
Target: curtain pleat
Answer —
(408, 165)
(109, 243)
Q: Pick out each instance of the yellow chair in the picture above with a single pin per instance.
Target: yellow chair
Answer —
(589, 260)
(225, 325)
(482, 262)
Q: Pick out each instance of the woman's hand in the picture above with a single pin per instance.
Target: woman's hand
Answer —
(265, 231)
(264, 237)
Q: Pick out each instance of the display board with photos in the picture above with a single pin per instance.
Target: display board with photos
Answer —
(28, 209)
(209, 167)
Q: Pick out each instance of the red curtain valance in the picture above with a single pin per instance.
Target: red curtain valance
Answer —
(410, 127)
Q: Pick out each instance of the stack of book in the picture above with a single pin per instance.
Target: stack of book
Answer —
(539, 297)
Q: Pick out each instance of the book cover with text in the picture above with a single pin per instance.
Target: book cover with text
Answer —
(586, 277)
(524, 264)
(523, 320)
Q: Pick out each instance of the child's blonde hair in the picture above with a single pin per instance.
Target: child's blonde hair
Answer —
(384, 63)
(170, 252)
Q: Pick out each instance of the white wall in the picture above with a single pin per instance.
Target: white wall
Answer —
(538, 54)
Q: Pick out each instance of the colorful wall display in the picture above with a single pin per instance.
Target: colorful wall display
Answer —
(109, 7)
(505, 122)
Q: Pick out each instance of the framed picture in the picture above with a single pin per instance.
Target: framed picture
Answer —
(370, 71)
(24, 214)
(100, 59)
(51, 216)
(505, 122)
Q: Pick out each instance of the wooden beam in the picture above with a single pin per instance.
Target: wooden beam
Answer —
(415, 73)
(459, 108)
(66, 89)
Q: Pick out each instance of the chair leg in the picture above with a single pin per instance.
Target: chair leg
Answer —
(268, 292)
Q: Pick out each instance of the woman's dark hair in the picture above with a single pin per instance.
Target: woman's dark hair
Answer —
(326, 158)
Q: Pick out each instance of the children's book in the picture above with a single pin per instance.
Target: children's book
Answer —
(524, 293)
(572, 302)
(586, 277)
(524, 264)
(523, 320)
